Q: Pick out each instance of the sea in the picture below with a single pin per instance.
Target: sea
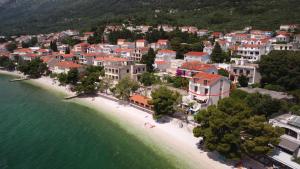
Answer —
(39, 130)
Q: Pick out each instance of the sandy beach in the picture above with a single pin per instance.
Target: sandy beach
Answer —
(178, 143)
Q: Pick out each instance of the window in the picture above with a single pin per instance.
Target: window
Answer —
(206, 91)
(205, 82)
(234, 70)
(196, 88)
(241, 71)
(290, 132)
(127, 70)
(248, 72)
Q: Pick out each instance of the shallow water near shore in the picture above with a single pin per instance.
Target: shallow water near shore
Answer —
(39, 130)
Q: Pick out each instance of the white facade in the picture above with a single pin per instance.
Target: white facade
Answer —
(207, 89)
(197, 56)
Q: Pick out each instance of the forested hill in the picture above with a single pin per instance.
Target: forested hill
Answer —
(33, 16)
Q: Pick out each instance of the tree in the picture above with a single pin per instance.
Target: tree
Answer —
(70, 41)
(105, 84)
(149, 59)
(148, 79)
(232, 128)
(35, 68)
(281, 68)
(223, 72)
(180, 82)
(53, 46)
(217, 55)
(164, 101)
(11, 46)
(125, 87)
(6, 63)
(62, 78)
(67, 50)
(73, 76)
(87, 85)
(243, 81)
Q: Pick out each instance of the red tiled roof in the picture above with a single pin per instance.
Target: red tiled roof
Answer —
(140, 99)
(111, 59)
(210, 78)
(198, 66)
(161, 62)
(88, 33)
(119, 50)
(166, 51)
(216, 34)
(68, 55)
(196, 54)
(163, 41)
(67, 64)
(24, 50)
(83, 44)
(32, 55)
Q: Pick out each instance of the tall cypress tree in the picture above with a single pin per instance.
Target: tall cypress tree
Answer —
(217, 54)
(149, 59)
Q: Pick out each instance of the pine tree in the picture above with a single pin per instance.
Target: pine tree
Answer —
(149, 59)
(217, 54)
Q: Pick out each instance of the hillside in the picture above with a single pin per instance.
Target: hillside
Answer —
(33, 16)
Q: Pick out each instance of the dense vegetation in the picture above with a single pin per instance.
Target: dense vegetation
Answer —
(281, 68)
(28, 16)
(238, 125)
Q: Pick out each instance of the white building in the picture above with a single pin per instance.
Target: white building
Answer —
(207, 89)
(66, 66)
(288, 147)
(253, 49)
(197, 56)
(243, 67)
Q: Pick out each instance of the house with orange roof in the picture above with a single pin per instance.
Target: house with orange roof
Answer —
(253, 49)
(163, 59)
(207, 89)
(42, 52)
(197, 56)
(88, 58)
(22, 51)
(29, 56)
(217, 35)
(81, 47)
(141, 43)
(66, 66)
(283, 37)
(189, 69)
(165, 54)
(160, 44)
(121, 41)
(117, 68)
(124, 53)
(140, 101)
(86, 36)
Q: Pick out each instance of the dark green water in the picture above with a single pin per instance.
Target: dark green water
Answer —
(39, 131)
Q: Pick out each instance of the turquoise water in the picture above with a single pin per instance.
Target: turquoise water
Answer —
(40, 131)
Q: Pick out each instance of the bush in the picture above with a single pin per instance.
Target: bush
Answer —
(274, 87)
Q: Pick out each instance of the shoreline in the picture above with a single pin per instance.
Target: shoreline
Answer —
(167, 139)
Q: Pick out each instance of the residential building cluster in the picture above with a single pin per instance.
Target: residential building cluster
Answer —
(122, 59)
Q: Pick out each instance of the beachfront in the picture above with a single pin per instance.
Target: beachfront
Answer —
(169, 137)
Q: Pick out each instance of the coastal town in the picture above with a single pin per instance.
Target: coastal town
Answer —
(226, 86)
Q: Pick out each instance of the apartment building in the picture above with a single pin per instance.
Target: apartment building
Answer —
(207, 89)
(117, 68)
(244, 67)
